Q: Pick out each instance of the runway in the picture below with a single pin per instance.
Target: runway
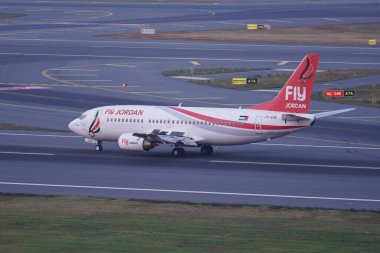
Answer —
(334, 164)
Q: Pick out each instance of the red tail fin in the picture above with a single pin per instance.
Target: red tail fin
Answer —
(295, 96)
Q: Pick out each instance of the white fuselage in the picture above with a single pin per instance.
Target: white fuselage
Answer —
(211, 126)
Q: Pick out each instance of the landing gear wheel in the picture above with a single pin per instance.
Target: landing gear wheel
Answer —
(178, 152)
(98, 147)
(207, 150)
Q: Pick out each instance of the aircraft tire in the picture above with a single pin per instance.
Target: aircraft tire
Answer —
(98, 147)
(178, 152)
(207, 150)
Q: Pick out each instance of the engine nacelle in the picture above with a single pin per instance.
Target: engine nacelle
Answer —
(129, 142)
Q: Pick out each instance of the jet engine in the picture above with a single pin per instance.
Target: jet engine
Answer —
(129, 142)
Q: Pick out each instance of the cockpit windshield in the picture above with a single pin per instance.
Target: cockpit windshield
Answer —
(83, 116)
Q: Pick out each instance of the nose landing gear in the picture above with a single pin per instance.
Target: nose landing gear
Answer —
(99, 146)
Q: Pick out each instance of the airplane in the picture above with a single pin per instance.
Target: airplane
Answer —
(141, 127)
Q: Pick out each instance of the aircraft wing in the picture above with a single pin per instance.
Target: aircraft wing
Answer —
(330, 113)
(175, 138)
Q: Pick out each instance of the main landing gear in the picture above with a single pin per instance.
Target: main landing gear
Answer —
(99, 146)
(178, 152)
(205, 150)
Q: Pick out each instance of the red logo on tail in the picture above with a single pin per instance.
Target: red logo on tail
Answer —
(307, 73)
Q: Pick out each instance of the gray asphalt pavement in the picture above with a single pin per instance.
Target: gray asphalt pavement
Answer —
(334, 164)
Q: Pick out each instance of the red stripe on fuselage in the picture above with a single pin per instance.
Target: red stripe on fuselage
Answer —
(96, 125)
(234, 124)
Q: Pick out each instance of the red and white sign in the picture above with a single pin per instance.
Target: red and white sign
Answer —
(333, 93)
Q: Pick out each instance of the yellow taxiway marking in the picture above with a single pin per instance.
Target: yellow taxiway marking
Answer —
(283, 63)
(45, 73)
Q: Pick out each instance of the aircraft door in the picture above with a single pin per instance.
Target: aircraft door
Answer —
(168, 123)
(258, 124)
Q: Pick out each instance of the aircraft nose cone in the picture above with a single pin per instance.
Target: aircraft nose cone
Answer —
(73, 126)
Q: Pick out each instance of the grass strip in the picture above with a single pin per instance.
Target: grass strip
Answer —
(364, 95)
(78, 224)
(347, 34)
(208, 71)
(278, 80)
(11, 15)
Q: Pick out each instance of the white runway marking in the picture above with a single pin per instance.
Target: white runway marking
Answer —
(26, 153)
(24, 88)
(315, 146)
(178, 48)
(39, 108)
(42, 135)
(191, 192)
(177, 58)
(282, 63)
(193, 43)
(298, 164)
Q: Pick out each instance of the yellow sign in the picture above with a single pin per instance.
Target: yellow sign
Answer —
(251, 27)
(252, 80)
(260, 27)
(239, 81)
(349, 93)
(372, 42)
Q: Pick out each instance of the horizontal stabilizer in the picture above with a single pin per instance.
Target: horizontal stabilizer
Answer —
(293, 117)
(330, 113)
